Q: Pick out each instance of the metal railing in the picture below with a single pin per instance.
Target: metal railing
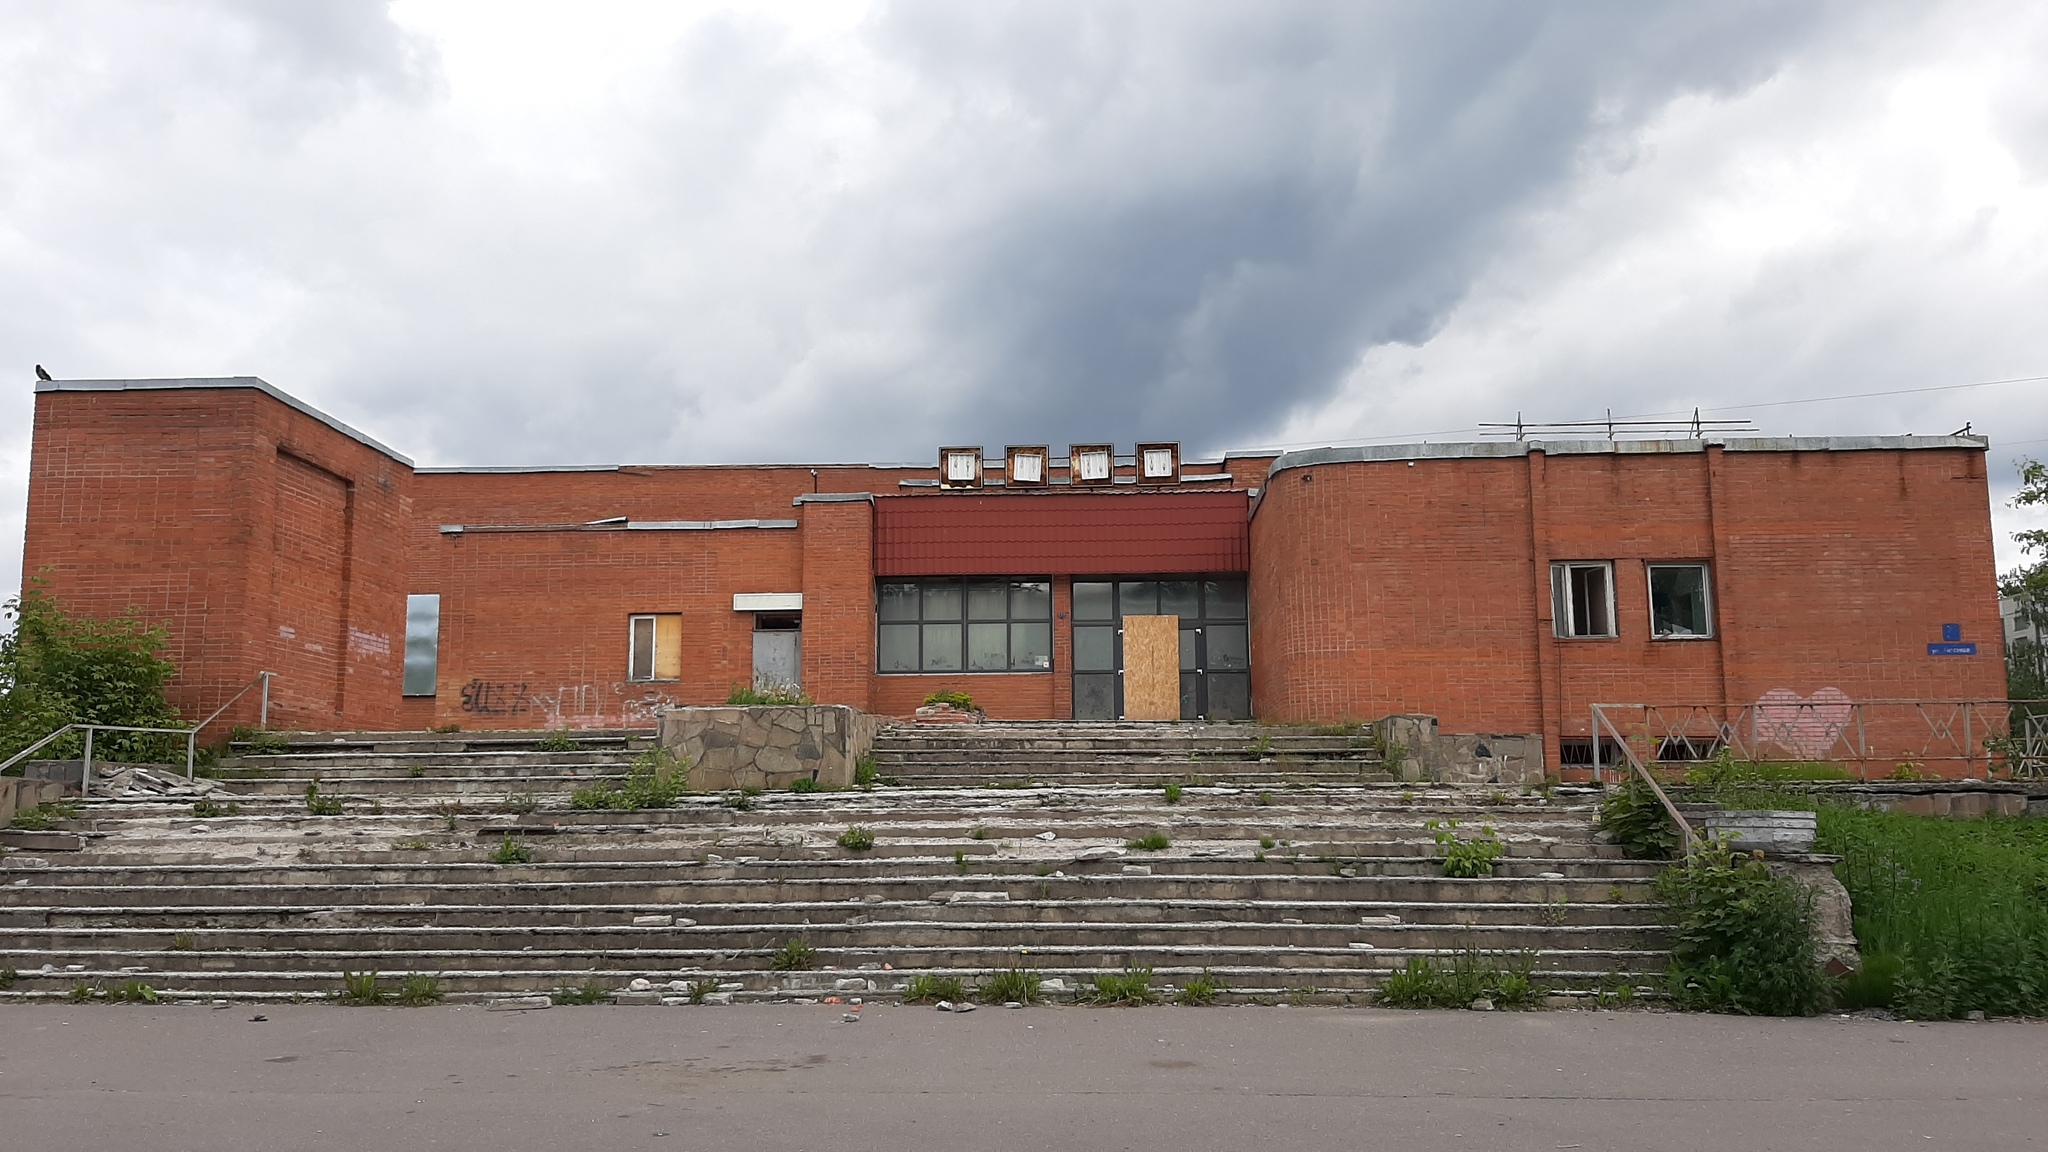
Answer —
(191, 734)
(1876, 739)
(1603, 729)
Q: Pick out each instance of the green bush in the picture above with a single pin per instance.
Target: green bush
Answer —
(1741, 939)
(927, 989)
(1466, 859)
(1634, 817)
(955, 698)
(44, 817)
(1951, 915)
(58, 669)
(1172, 793)
(656, 779)
(805, 784)
(865, 772)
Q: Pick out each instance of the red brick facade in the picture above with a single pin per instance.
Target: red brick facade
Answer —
(267, 537)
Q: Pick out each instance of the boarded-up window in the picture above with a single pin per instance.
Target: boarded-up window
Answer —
(657, 648)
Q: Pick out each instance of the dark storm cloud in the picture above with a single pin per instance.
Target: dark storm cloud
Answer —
(1217, 209)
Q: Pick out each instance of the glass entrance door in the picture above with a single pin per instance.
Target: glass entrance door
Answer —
(1215, 644)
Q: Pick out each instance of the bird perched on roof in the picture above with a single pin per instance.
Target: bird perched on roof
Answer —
(42, 373)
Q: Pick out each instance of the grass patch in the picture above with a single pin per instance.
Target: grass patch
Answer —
(44, 817)
(865, 773)
(978, 834)
(927, 989)
(1265, 799)
(7, 977)
(184, 942)
(132, 992)
(419, 990)
(1132, 986)
(1951, 915)
(795, 955)
(318, 805)
(857, 838)
(1741, 939)
(1150, 842)
(361, 988)
(1172, 793)
(1466, 858)
(511, 852)
(557, 740)
(206, 809)
(1266, 842)
(805, 784)
(1200, 991)
(589, 992)
(1009, 986)
(656, 780)
(80, 993)
(1503, 978)
(416, 844)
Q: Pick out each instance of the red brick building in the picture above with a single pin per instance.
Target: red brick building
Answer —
(1502, 587)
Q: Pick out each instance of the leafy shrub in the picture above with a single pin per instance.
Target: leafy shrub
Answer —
(512, 852)
(1150, 842)
(1202, 990)
(927, 989)
(318, 805)
(557, 740)
(857, 839)
(1131, 986)
(1955, 911)
(796, 955)
(58, 669)
(1742, 938)
(1634, 817)
(955, 698)
(1009, 986)
(1466, 859)
(419, 990)
(361, 988)
(754, 695)
(656, 779)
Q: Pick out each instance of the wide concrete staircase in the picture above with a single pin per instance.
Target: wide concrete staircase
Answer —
(1295, 869)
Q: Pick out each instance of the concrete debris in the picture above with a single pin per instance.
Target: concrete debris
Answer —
(850, 984)
(1482, 1005)
(718, 998)
(849, 1018)
(519, 1004)
(679, 985)
(871, 966)
(1348, 873)
(24, 862)
(944, 1006)
(1105, 852)
(976, 897)
(1137, 869)
(144, 784)
(963, 1007)
(1013, 1003)
(1052, 984)
(872, 898)
(653, 921)
(1550, 875)
(1290, 919)
(639, 984)
(732, 986)
(1046, 836)
(1361, 945)
(1389, 918)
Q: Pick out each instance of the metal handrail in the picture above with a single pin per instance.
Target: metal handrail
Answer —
(1687, 836)
(191, 734)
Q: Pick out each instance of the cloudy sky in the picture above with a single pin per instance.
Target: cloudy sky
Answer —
(502, 233)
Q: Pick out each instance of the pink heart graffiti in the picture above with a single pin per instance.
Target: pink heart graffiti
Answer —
(1807, 726)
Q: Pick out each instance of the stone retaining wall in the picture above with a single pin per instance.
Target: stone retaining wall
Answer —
(1458, 758)
(768, 746)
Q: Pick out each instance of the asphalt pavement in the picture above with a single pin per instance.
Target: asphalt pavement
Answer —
(796, 1077)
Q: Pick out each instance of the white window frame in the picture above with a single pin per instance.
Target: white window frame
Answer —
(1562, 620)
(1706, 589)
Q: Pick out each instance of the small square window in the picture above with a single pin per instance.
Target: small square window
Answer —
(1582, 598)
(1089, 464)
(1158, 463)
(1026, 465)
(1681, 607)
(960, 467)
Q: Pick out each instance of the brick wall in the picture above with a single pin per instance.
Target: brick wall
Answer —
(256, 535)
(838, 582)
(1395, 586)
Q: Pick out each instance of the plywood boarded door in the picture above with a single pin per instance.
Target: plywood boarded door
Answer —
(1151, 667)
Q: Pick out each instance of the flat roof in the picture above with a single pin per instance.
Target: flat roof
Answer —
(216, 383)
(1508, 448)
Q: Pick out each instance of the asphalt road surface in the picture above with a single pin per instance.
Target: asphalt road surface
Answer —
(314, 1077)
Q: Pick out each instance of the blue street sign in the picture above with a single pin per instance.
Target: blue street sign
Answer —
(1968, 649)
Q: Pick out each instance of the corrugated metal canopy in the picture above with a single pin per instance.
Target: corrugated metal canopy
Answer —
(1062, 533)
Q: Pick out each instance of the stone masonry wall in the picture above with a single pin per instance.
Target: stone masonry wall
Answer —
(768, 746)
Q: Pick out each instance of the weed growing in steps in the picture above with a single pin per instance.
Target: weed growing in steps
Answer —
(1265, 799)
(701, 990)
(805, 784)
(7, 977)
(739, 801)
(1465, 859)
(1200, 991)
(419, 990)
(318, 805)
(1635, 819)
(796, 955)
(1265, 842)
(512, 852)
(1130, 987)
(960, 862)
(1150, 842)
(44, 817)
(1741, 937)
(184, 942)
(1172, 793)
(857, 838)
(80, 992)
(557, 740)
(590, 992)
(656, 780)
(206, 809)
(416, 844)
(416, 771)
(1008, 986)
(978, 834)
(360, 988)
(865, 774)
(521, 802)
(927, 989)
(1503, 978)
(132, 992)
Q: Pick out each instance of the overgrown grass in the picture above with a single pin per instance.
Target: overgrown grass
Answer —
(865, 773)
(44, 817)
(557, 740)
(419, 990)
(206, 809)
(589, 992)
(1009, 986)
(857, 839)
(1741, 937)
(928, 989)
(133, 992)
(953, 697)
(1132, 986)
(361, 988)
(318, 805)
(1200, 991)
(1505, 978)
(656, 780)
(1150, 842)
(1634, 817)
(1172, 793)
(805, 784)
(795, 955)
(511, 852)
(1951, 915)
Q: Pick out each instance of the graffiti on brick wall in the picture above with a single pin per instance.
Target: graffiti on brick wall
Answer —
(586, 705)
(361, 643)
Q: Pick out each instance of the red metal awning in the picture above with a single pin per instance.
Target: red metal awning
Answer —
(1062, 533)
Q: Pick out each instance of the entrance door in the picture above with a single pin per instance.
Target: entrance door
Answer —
(778, 650)
(1214, 648)
(1152, 659)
